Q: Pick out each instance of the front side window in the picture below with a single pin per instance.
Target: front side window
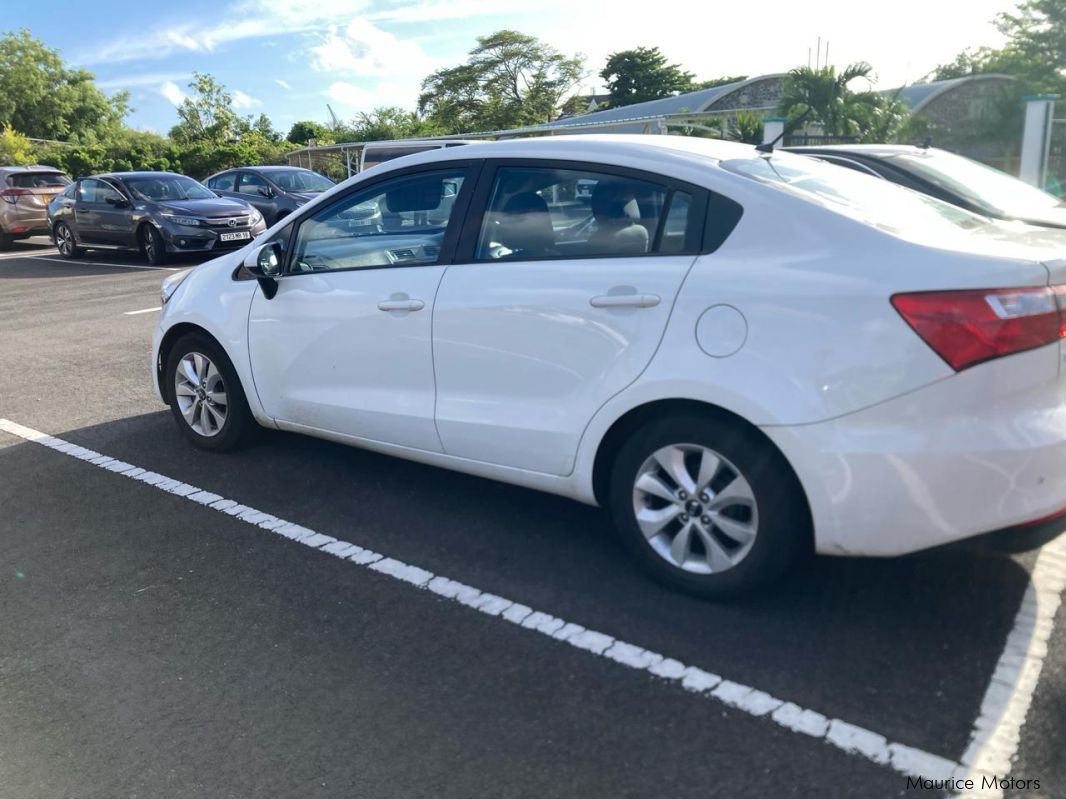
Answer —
(92, 190)
(542, 212)
(398, 222)
(223, 182)
(251, 183)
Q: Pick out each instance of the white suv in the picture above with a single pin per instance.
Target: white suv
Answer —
(742, 356)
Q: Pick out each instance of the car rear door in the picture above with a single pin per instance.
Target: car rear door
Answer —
(345, 346)
(572, 271)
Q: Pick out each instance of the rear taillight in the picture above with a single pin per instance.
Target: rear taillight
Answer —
(11, 196)
(968, 327)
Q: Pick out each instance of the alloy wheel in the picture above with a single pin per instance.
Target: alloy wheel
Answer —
(695, 508)
(64, 241)
(200, 394)
(148, 240)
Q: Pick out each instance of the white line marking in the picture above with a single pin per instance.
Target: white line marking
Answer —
(848, 737)
(997, 731)
(71, 262)
(143, 310)
(28, 253)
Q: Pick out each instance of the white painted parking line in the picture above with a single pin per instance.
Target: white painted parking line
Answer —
(848, 737)
(997, 731)
(72, 262)
(28, 253)
(143, 310)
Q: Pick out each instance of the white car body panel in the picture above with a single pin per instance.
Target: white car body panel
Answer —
(523, 359)
(895, 451)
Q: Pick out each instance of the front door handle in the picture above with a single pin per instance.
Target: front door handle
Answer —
(625, 301)
(401, 305)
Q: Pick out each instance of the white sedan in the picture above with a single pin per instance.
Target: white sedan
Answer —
(742, 356)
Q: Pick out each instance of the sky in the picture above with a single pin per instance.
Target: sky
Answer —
(290, 58)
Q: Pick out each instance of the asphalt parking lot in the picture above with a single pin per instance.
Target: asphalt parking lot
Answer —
(155, 645)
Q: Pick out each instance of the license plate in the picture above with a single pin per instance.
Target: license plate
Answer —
(238, 236)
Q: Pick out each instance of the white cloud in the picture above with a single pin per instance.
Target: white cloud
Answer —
(172, 92)
(283, 84)
(242, 100)
(143, 79)
(364, 49)
(433, 10)
(349, 95)
(349, 99)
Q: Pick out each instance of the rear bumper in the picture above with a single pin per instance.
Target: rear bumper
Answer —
(980, 451)
(20, 220)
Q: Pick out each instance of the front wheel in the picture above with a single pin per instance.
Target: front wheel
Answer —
(65, 241)
(206, 397)
(707, 505)
(155, 251)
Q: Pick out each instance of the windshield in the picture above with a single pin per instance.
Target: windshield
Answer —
(301, 180)
(874, 201)
(982, 185)
(168, 187)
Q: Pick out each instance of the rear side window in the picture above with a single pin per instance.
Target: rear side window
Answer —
(223, 182)
(37, 180)
(544, 212)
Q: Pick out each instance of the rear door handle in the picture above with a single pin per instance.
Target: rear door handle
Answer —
(401, 305)
(625, 301)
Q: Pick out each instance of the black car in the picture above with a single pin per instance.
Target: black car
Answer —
(275, 191)
(949, 177)
(157, 213)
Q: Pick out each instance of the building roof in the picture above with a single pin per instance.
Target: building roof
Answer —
(678, 104)
(918, 95)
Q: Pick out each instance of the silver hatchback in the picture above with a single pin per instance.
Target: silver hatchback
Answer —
(25, 192)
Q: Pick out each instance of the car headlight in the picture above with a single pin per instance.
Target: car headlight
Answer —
(189, 221)
(255, 217)
(171, 283)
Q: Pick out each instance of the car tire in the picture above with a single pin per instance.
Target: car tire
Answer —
(153, 247)
(5, 241)
(65, 241)
(208, 420)
(735, 513)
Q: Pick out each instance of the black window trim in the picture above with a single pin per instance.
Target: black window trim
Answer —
(474, 218)
(473, 169)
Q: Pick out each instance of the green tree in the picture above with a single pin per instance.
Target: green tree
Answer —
(828, 100)
(41, 98)
(635, 76)
(722, 81)
(15, 149)
(746, 127)
(510, 80)
(389, 122)
(208, 115)
(303, 131)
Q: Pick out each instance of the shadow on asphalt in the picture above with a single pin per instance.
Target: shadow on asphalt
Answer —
(904, 647)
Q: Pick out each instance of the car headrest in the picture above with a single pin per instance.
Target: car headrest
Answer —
(611, 200)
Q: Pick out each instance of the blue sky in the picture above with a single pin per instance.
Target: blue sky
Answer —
(289, 58)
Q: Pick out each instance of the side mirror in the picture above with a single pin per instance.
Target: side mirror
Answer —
(265, 263)
(266, 191)
(118, 202)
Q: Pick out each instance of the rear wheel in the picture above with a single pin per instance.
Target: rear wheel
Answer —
(205, 393)
(707, 506)
(5, 240)
(65, 241)
(155, 251)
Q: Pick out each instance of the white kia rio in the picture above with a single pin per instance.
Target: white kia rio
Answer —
(742, 356)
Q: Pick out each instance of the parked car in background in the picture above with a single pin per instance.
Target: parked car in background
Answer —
(743, 357)
(25, 192)
(157, 213)
(949, 177)
(376, 153)
(275, 191)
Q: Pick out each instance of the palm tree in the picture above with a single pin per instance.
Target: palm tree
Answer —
(828, 99)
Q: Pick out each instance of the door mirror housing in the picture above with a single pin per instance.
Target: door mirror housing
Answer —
(266, 191)
(118, 202)
(265, 264)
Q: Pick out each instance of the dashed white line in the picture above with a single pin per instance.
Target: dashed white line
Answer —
(840, 734)
(997, 731)
(143, 310)
(28, 253)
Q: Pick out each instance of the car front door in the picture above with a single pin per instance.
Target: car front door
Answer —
(572, 271)
(254, 189)
(101, 213)
(345, 344)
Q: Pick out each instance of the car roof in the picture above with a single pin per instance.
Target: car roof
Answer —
(32, 168)
(137, 175)
(873, 150)
(262, 168)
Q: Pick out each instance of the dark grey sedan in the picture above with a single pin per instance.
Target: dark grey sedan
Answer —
(158, 213)
(275, 191)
